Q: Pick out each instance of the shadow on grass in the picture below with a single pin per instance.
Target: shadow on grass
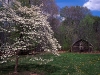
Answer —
(46, 69)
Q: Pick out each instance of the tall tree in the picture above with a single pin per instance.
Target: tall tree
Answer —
(86, 29)
(96, 28)
(73, 16)
(74, 12)
(30, 27)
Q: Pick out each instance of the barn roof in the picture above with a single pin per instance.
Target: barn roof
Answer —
(81, 40)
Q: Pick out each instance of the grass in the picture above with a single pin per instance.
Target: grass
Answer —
(65, 64)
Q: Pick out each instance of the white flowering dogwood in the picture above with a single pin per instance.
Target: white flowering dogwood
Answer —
(30, 27)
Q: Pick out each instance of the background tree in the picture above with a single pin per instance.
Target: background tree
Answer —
(73, 16)
(89, 27)
(86, 29)
(96, 28)
(74, 12)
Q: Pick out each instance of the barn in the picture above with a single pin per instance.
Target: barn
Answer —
(81, 46)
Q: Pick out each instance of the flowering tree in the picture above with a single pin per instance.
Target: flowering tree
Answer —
(30, 27)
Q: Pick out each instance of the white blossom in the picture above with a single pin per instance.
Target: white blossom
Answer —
(34, 26)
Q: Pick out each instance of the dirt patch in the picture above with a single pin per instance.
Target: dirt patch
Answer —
(62, 51)
(92, 52)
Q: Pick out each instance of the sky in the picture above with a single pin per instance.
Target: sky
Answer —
(92, 5)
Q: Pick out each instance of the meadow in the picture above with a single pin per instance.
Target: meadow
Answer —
(65, 64)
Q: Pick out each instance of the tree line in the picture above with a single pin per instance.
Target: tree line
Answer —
(78, 23)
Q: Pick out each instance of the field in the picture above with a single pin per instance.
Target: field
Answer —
(65, 64)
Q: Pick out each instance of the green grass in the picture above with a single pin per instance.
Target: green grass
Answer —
(65, 64)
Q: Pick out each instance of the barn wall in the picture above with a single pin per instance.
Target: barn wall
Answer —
(87, 47)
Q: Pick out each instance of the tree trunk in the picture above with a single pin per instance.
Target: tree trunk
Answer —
(16, 64)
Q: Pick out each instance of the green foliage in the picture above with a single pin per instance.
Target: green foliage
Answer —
(84, 26)
(89, 27)
(73, 28)
(25, 3)
(63, 39)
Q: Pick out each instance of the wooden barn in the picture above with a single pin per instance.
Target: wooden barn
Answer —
(81, 46)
